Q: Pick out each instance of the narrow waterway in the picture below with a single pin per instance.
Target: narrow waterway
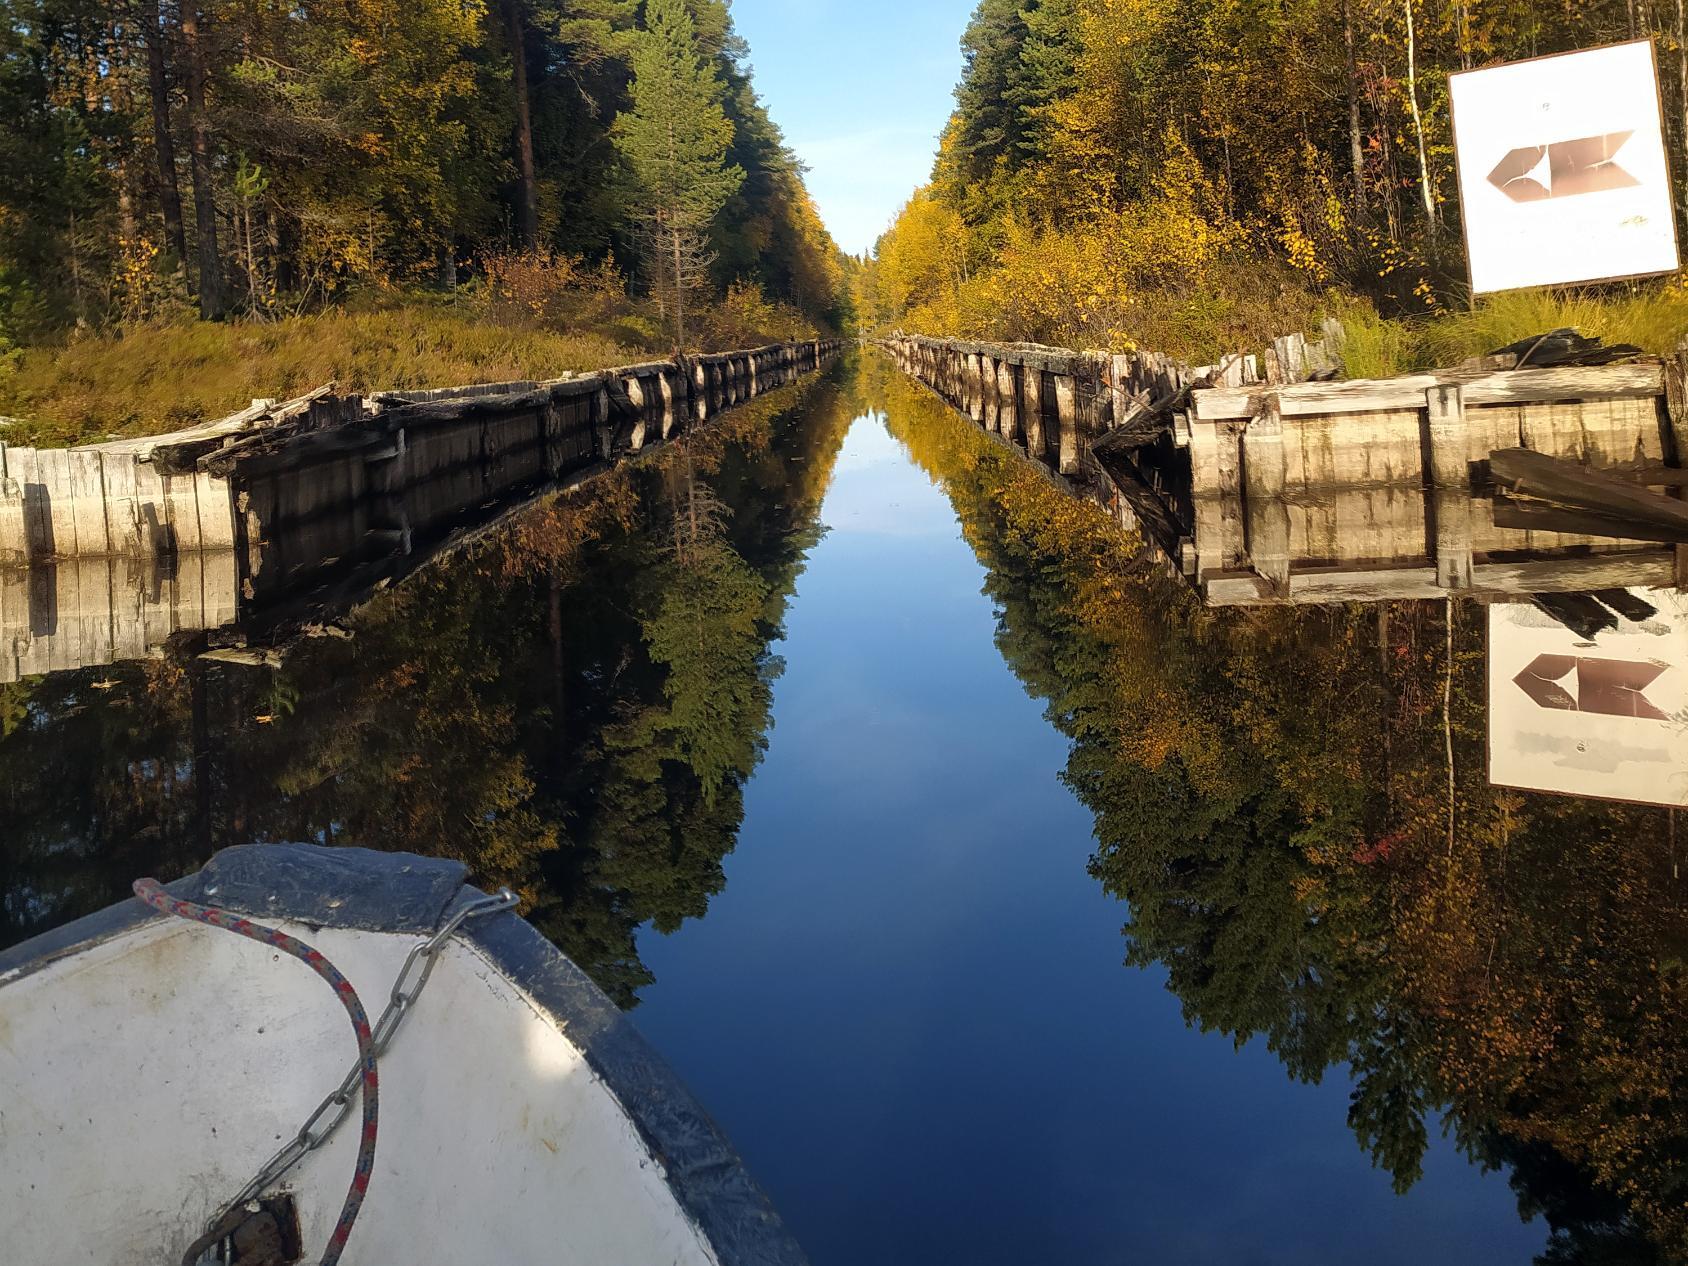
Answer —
(1001, 904)
(908, 1006)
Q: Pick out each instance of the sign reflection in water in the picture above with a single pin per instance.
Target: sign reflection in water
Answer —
(1603, 715)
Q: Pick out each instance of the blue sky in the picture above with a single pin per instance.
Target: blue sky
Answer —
(862, 89)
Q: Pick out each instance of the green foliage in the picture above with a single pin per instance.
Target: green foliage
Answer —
(163, 377)
(1196, 178)
(1373, 347)
(371, 145)
(1654, 318)
(675, 134)
(530, 319)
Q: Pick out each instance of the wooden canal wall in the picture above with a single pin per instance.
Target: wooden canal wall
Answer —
(184, 492)
(107, 552)
(85, 612)
(1272, 491)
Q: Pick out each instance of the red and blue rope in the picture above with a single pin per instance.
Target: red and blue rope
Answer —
(154, 894)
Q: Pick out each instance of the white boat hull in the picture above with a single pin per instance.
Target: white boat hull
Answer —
(150, 1066)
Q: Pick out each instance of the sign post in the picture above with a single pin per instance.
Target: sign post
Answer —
(1563, 173)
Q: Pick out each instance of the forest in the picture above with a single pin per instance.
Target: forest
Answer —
(445, 162)
(1200, 176)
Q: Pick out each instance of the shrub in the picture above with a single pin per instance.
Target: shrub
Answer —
(746, 317)
(558, 290)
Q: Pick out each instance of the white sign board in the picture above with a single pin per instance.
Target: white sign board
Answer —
(1605, 717)
(1562, 170)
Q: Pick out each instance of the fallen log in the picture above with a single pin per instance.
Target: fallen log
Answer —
(1536, 516)
(1565, 483)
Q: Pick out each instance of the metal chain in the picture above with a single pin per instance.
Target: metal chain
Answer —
(332, 1111)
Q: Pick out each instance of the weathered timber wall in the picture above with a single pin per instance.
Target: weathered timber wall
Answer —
(83, 612)
(285, 514)
(188, 491)
(1051, 401)
(1327, 491)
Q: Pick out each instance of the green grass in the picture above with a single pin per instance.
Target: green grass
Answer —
(1653, 317)
(160, 378)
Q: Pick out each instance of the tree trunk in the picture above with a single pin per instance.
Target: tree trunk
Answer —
(559, 678)
(1356, 151)
(1682, 74)
(163, 143)
(1418, 123)
(200, 712)
(211, 304)
(251, 259)
(527, 200)
(679, 294)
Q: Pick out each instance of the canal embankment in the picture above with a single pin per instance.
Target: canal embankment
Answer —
(112, 547)
(1264, 478)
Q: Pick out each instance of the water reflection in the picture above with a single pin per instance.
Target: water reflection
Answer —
(1295, 802)
(1590, 698)
(1296, 806)
(573, 708)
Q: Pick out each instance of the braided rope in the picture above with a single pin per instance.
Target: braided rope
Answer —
(153, 893)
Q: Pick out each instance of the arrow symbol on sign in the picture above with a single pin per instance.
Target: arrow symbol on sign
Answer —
(1564, 169)
(1605, 687)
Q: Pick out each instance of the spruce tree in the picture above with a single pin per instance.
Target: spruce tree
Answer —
(674, 140)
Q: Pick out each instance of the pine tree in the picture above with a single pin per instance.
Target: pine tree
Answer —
(674, 140)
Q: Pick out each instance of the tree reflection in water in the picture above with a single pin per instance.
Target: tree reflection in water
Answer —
(573, 709)
(1272, 800)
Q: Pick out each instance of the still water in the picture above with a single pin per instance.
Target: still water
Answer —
(1002, 905)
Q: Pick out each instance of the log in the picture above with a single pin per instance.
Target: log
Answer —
(1578, 612)
(1523, 386)
(1549, 479)
(1525, 516)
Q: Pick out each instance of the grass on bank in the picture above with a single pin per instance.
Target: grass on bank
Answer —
(153, 378)
(1651, 317)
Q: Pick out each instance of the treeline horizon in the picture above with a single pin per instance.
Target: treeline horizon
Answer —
(250, 158)
(1190, 175)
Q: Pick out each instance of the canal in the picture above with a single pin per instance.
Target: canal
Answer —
(1001, 903)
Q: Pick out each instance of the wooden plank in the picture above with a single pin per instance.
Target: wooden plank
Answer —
(220, 587)
(128, 579)
(182, 507)
(1521, 386)
(1455, 562)
(1447, 431)
(1357, 524)
(14, 532)
(152, 512)
(1066, 412)
(52, 477)
(1535, 475)
(94, 609)
(1536, 517)
(64, 649)
(122, 519)
(1266, 517)
(14, 620)
(187, 606)
(88, 498)
(215, 498)
(1037, 444)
